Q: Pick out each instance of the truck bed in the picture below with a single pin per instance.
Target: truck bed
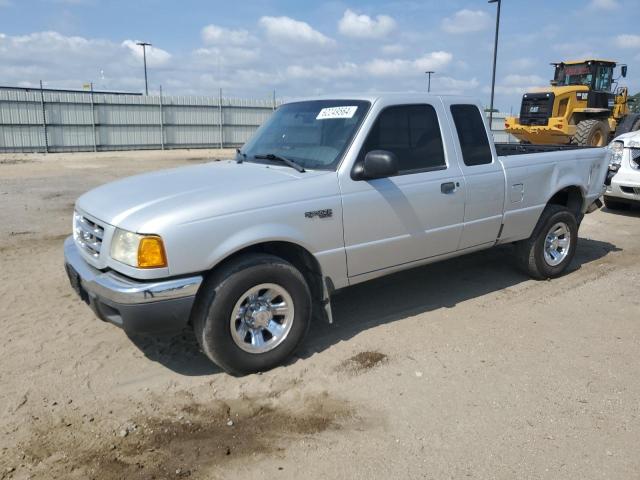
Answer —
(509, 149)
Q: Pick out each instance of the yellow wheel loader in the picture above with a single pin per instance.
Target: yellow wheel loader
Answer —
(584, 105)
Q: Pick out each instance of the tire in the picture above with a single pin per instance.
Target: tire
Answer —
(592, 132)
(530, 253)
(630, 123)
(221, 298)
(614, 205)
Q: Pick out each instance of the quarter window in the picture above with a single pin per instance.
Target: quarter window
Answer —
(472, 135)
(412, 133)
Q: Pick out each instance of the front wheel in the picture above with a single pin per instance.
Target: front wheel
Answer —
(549, 250)
(252, 313)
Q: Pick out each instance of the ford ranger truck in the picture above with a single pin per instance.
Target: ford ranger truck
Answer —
(328, 193)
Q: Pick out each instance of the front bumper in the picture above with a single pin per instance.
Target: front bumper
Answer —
(135, 306)
(555, 131)
(625, 186)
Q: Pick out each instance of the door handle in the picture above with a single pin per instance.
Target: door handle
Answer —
(449, 187)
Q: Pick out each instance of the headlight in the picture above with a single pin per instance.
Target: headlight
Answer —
(140, 251)
(617, 149)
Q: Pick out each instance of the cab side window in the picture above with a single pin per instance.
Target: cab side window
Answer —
(472, 135)
(603, 79)
(411, 132)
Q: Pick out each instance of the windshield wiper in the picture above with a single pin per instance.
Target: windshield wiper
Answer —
(285, 160)
(240, 156)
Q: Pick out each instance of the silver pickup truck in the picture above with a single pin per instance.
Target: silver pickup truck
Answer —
(328, 193)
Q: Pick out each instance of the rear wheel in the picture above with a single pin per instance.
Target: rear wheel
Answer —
(615, 205)
(549, 250)
(251, 314)
(594, 133)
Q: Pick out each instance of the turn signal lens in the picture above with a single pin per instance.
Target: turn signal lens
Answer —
(151, 253)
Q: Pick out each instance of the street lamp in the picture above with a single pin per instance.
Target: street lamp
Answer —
(429, 72)
(495, 57)
(144, 46)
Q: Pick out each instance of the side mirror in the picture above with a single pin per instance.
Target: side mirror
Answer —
(376, 164)
(623, 71)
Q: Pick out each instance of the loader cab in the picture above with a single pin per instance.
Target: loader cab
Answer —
(595, 74)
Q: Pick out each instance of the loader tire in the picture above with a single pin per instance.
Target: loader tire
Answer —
(593, 133)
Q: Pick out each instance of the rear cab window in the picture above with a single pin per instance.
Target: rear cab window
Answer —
(412, 133)
(472, 135)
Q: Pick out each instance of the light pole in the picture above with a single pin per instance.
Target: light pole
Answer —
(495, 58)
(429, 72)
(144, 46)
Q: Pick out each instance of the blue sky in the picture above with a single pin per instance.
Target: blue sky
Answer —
(249, 48)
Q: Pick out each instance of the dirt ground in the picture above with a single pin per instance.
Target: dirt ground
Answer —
(463, 369)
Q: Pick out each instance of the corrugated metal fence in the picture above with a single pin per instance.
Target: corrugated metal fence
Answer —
(34, 120)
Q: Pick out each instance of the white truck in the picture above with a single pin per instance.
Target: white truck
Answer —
(330, 192)
(623, 180)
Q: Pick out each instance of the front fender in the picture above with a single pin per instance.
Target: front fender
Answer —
(253, 235)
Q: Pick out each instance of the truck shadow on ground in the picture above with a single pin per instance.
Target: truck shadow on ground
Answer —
(429, 288)
(631, 211)
(381, 301)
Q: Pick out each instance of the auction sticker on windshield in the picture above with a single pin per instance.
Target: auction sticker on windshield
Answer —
(336, 112)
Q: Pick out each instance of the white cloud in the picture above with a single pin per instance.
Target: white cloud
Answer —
(519, 80)
(155, 56)
(392, 49)
(215, 35)
(515, 84)
(397, 66)
(322, 72)
(523, 63)
(628, 41)
(283, 30)
(214, 57)
(363, 26)
(604, 4)
(453, 86)
(466, 21)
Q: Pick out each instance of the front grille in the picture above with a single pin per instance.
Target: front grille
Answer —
(536, 108)
(635, 157)
(631, 190)
(88, 234)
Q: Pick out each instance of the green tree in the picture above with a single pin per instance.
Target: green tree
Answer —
(634, 105)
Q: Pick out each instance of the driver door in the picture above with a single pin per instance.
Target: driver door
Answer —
(414, 215)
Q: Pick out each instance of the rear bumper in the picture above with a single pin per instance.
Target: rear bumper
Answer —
(135, 306)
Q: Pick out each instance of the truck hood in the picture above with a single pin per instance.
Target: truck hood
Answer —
(630, 139)
(143, 203)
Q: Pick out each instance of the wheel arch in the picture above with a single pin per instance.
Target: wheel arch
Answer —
(294, 253)
(570, 196)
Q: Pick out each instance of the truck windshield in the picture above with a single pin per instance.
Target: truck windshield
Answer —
(314, 134)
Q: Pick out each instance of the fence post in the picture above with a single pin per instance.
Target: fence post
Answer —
(220, 114)
(161, 122)
(44, 120)
(93, 121)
